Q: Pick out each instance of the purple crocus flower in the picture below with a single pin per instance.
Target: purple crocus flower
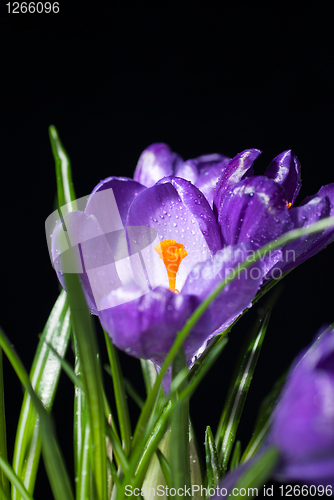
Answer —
(303, 421)
(302, 427)
(208, 214)
(252, 208)
(136, 297)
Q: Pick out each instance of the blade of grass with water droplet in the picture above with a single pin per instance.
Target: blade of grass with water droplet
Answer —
(10, 474)
(179, 444)
(233, 409)
(44, 376)
(53, 460)
(120, 395)
(87, 348)
(211, 460)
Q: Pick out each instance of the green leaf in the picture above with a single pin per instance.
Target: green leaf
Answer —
(165, 467)
(179, 446)
(133, 393)
(53, 460)
(83, 477)
(92, 379)
(236, 456)
(44, 376)
(10, 474)
(292, 235)
(81, 433)
(149, 373)
(211, 459)
(68, 369)
(256, 475)
(161, 419)
(120, 395)
(263, 420)
(65, 188)
(84, 332)
(3, 444)
(232, 412)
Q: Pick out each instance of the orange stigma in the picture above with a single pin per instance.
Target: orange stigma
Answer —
(172, 253)
(288, 205)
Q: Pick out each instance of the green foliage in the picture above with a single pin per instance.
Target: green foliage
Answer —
(108, 457)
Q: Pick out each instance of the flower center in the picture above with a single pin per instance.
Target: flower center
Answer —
(288, 205)
(172, 253)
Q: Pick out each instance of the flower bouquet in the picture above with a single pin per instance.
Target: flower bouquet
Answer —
(169, 261)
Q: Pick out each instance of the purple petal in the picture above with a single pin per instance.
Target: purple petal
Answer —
(237, 295)
(303, 421)
(312, 209)
(318, 473)
(176, 217)
(146, 327)
(155, 162)
(298, 251)
(254, 210)
(327, 190)
(81, 231)
(237, 168)
(196, 203)
(125, 191)
(204, 172)
(285, 170)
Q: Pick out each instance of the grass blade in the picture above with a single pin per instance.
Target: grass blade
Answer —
(92, 379)
(6, 469)
(44, 376)
(231, 415)
(65, 188)
(120, 395)
(211, 459)
(81, 433)
(179, 444)
(3, 442)
(53, 460)
(235, 460)
(84, 331)
(263, 420)
(256, 475)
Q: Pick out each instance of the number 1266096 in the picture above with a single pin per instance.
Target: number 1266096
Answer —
(33, 7)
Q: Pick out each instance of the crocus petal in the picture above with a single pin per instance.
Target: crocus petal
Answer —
(197, 204)
(254, 210)
(81, 249)
(298, 251)
(204, 172)
(155, 162)
(318, 473)
(162, 208)
(237, 295)
(285, 170)
(240, 166)
(303, 420)
(125, 191)
(146, 327)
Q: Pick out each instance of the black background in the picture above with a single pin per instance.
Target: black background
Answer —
(216, 77)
